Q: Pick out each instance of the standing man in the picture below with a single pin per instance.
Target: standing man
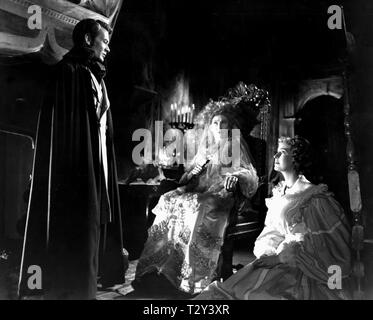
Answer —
(73, 230)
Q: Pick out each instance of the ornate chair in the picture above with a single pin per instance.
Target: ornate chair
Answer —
(246, 224)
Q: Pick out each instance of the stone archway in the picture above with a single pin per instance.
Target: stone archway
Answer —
(306, 91)
(311, 89)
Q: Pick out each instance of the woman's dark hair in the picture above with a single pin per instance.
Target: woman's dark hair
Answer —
(87, 26)
(301, 152)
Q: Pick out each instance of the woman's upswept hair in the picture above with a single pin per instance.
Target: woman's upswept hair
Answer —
(242, 105)
(301, 152)
(88, 26)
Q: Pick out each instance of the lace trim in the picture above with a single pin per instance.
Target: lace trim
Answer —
(207, 239)
(184, 235)
(200, 261)
(157, 232)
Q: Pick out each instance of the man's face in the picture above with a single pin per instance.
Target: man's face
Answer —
(100, 45)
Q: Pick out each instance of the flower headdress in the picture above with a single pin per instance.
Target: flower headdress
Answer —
(243, 103)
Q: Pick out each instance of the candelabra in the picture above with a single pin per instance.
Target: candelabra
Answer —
(182, 116)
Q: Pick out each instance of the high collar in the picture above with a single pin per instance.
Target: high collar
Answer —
(85, 56)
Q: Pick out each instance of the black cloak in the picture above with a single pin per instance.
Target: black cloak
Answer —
(65, 233)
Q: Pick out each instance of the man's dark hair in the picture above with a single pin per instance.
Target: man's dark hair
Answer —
(87, 26)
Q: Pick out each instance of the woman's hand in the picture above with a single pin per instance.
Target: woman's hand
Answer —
(197, 170)
(289, 253)
(267, 262)
(230, 183)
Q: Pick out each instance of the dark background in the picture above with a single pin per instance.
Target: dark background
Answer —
(215, 44)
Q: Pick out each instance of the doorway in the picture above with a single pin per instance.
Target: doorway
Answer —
(321, 121)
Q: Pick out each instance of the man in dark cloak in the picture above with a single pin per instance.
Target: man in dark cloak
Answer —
(73, 230)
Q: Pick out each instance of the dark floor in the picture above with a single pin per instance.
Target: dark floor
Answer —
(160, 289)
(10, 257)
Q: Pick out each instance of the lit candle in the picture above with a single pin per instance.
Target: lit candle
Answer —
(173, 113)
(188, 114)
(178, 113)
(192, 114)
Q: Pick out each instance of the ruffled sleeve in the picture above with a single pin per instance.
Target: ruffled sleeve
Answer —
(321, 239)
(269, 239)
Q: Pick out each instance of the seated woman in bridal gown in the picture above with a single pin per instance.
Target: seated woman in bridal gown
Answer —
(185, 240)
(303, 251)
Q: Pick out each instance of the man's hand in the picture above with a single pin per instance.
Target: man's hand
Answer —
(230, 183)
(266, 262)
